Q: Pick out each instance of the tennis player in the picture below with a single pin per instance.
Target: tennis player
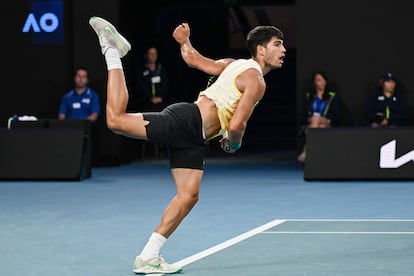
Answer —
(222, 110)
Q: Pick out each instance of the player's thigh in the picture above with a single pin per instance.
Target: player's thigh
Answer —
(132, 125)
(187, 180)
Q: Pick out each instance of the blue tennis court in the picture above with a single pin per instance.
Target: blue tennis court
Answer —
(253, 218)
(313, 247)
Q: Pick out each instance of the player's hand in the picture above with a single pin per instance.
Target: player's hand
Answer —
(182, 33)
(227, 146)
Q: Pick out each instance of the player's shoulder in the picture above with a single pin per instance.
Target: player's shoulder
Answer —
(253, 80)
(224, 62)
(253, 72)
(248, 63)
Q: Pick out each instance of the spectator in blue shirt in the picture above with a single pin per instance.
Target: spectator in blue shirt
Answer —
(82, 102)
(321, 109)
(321, 104)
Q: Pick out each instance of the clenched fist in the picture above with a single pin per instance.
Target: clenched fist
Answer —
(182, 33)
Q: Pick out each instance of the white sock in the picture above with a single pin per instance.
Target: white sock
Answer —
(113, 61)
(153, 247)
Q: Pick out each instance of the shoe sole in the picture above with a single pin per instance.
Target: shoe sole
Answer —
(156, 272)
(119, 39)
(153, 270)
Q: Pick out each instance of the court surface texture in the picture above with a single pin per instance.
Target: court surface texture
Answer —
(252, 218)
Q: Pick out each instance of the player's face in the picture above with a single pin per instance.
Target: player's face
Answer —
(275, 53)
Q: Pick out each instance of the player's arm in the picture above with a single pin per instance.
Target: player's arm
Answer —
(193, 58)
(252, 85)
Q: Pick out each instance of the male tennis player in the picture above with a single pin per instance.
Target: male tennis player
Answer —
(222, 109)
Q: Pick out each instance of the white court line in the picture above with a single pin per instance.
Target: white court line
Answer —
(228, 243)
(353, 220)
(345, 232)
(262, 230)
(338, 232)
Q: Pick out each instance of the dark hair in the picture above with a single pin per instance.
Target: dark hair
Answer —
(81, 68)
(312, 87)
(261, 35)
(151, 46)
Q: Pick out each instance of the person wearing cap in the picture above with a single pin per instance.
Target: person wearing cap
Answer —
(387, 107)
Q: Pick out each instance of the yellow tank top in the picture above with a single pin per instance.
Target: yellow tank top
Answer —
(224, 92)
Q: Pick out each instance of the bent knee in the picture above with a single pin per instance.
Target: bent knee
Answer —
(113, 123)
(188, 200)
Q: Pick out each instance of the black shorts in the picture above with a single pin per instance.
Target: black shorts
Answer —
(180, 127)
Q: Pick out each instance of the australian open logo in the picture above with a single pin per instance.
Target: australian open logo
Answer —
(44, 22)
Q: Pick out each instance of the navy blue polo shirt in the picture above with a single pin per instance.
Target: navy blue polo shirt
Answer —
(75, 106)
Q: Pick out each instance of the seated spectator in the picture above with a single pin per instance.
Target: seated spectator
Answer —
(387, 107)
(321, 108)
(81, 102)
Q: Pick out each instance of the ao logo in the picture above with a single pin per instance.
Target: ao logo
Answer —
(48, 22)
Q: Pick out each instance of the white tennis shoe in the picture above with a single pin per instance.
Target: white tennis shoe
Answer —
(157, 265)
(109, 36)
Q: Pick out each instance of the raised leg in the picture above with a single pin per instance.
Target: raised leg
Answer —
(114, 46)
